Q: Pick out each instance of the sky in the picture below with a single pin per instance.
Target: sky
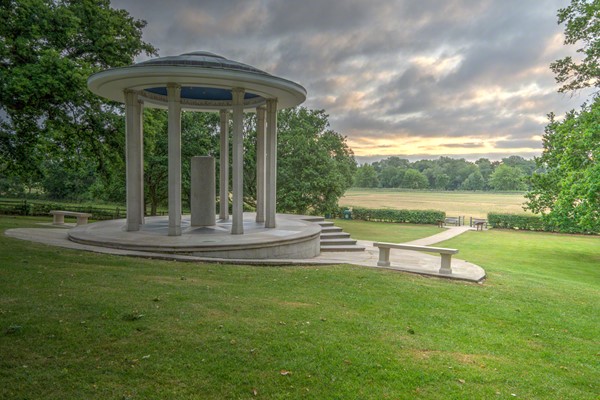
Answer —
(415, 79)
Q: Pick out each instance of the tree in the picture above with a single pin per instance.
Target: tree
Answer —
(414, 179)
(48, 48)
(315, 164)
(438, 179)
(486, 168)
(566, 189)
(567, 193)
(582, 19)
(474, 181)
(366, 177)
(527, 167)
(391, 177)
(507, 178)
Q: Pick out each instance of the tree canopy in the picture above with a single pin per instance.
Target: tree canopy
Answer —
(315, 166)
(48, 49)
(566, 191)
(581, 19)
(567, 194)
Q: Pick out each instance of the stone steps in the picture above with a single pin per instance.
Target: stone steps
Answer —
(331, 248)
(335, 235)
(333, 238)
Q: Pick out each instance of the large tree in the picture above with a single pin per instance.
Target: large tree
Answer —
(567, 194)
(315, 164)
(566, 191)
(48, 49)
(582, 28)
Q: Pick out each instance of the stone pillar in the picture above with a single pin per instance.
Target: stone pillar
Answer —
(237, 167)
(271, 167)
(174, 163)
(203, 191)
(260, 164)
(134, 161)
(224, 167)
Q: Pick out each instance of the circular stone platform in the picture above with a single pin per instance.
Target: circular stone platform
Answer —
(294, 237)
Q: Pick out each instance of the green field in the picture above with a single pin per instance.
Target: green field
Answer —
(468, 204)
(79, 325)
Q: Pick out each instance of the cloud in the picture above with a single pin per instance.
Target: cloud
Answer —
(390, 71)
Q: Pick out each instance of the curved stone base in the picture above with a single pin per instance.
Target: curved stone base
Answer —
(293, 238)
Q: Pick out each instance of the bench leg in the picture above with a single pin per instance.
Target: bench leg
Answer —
(384, 257)
(58, 219)
(446, 267)
(82, 220)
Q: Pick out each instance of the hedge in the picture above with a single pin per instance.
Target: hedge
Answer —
(42, 208)
(390, 215)
(518, 221)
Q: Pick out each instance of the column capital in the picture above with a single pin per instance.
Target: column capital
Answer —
(237, 96)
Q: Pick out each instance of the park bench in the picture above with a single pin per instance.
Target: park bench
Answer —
(59, 217)
(479, 223)
(452, 220)
(446, 254)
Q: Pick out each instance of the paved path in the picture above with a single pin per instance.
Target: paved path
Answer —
(440, 237)
(401, 260)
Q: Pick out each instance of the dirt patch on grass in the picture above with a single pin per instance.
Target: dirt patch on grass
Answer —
(461, 358)
(294, 304)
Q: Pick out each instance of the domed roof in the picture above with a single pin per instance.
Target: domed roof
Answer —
(206, 80)
(202, 59)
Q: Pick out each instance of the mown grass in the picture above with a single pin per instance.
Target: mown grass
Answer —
(468, 204)
(82, 325)
(386, 232)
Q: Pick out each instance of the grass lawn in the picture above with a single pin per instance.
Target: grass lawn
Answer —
(386, 232)
(468, 204)
(83, 325)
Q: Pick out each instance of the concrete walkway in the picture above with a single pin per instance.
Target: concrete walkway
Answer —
(401, 260)
(450, 232)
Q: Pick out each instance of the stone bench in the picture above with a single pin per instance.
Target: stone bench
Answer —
(446, 254)
(59, 217)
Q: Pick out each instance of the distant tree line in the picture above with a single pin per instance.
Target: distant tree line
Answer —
(511, 174)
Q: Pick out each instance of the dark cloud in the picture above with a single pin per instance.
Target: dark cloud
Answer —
(518, 144)
(386, 69)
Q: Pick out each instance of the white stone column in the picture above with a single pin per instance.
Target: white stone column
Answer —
(224, 167)
(174, 163)
(271, 167)
(134, 161)
(260, 163)
(237, 167)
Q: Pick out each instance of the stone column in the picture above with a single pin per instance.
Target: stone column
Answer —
(224, 167)
(237, 190)
(134, 161)
(174, 163)
(271, 167)
(260, 164)
(203, 193)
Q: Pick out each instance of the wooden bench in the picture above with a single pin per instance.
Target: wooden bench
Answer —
(59, 217)
(479, 223)
(452, 220)
(446, 254)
